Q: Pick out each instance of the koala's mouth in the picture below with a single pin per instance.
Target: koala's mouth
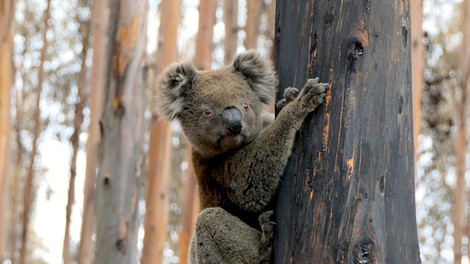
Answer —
(230, 140)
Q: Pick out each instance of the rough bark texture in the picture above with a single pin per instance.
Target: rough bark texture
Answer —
(85, 252)
(122, 130)
(158, 180)
(417, 66)
(75, 143)
(461, 140)
(231, 29)
(7, 11)
(348, 191)
(190, 208)
(28, 185)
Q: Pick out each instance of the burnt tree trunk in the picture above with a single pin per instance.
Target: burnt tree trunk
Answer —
(348, 191)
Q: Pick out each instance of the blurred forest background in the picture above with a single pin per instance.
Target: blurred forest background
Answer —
(58, 80)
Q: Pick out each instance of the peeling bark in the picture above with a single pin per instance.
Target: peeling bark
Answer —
(121, 158)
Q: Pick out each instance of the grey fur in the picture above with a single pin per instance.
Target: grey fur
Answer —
(175, 85)
(237, 175)
(259, 73)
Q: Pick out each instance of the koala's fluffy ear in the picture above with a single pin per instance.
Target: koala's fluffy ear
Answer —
(175, 86)
(259, 73)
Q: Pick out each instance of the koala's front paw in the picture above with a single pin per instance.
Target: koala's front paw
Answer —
(267, 236)
(313, 94)
(267, 225)
(290, 94)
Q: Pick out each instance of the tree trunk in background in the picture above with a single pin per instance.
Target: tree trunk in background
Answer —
(98, 20)
(231, 29)
(28, 186)
(461, 139)
(466, 79)
(417, 66)
(7, 17)
(157, 191)
(348, 191)
(158, 179)
(271, 26)
(190, 208)
(121, 157)
(253, 15)
(204, 44)
(17, 177)
(75, 141)
(203, 61)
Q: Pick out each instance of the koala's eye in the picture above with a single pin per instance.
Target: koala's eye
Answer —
(246, 107)
(207, 112)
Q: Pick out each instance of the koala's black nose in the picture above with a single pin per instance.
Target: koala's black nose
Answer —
(232, 119)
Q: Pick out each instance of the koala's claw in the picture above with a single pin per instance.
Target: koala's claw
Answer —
(319, 98)
(313, 94)
(267, 225)
(318, 88)
(267, 236)
(290, 94)
(265, 217)
(281, 103)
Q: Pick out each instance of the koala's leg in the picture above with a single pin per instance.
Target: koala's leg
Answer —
(223, 238)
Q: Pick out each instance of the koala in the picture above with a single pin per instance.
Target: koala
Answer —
(239, 150)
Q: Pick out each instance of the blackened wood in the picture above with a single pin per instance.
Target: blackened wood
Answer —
(348, 191)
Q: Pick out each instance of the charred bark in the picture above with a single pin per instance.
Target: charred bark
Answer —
(348, 191)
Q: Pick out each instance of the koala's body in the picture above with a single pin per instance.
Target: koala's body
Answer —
(239, 151)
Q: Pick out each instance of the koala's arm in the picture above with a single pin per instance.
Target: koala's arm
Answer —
(256, 169)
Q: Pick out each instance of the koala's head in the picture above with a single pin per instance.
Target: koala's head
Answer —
(219, 110)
